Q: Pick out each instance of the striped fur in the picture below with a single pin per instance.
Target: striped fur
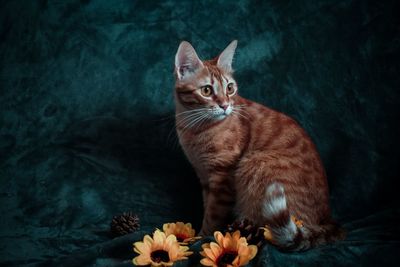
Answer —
(253, 162)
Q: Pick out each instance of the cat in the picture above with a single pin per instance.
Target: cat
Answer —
(253, 162)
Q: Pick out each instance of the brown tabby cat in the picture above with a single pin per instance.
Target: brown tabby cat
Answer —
(251, 160)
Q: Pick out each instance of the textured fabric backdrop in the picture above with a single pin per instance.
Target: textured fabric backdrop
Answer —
(86, 118)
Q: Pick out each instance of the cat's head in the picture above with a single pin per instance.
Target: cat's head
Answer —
(205, 87)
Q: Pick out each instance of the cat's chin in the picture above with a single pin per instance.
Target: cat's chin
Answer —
(220, 117)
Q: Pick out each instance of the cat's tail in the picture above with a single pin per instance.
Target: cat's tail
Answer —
(285, 233)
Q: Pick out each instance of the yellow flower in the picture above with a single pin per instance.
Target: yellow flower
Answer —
(184, 232)
(229, 251)
(159, 250)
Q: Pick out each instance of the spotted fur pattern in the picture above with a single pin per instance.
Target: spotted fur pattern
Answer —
(253, 162)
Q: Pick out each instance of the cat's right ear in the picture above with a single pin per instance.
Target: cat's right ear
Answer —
(186, 61)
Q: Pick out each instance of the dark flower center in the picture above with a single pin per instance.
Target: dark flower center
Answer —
(159, 256)
(180, 237)
(226, 258)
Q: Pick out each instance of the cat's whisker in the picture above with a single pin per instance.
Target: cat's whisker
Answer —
(244, 113)
(241, 109)
(193, 122)
(181, 121)
(184, 117)
(202, 121)
(238, 113)
(196, 125)
(189, 115)
(188, 121)
(185, 121)
(172, 137)
(190, 111)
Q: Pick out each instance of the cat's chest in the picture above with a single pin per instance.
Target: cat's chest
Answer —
(214, 149)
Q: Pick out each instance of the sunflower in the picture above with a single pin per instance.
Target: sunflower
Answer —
(159, 250)
(184, 232)
(229, 251)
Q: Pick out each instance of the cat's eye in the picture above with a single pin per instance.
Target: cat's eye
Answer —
(230, 89)
(206, 90)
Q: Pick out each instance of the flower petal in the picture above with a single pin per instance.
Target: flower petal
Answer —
(148, 240)
(205, 245)
(210, 254)
(219, 237)
(173, 254)
(227, 240)
(236, 235)
(253, 251)
(166, 227)
(159, 238)
(237, 262)
(246, 253)
(141, 248)
(207, 262)
(216, 250)
(185, 251)
(170, 241)
(242, 242)
(141, 260)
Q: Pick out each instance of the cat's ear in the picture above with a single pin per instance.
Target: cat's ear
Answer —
(186, 61)
(226, 57)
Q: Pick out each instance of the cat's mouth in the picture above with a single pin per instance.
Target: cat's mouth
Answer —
(220, 114)
(220, 117)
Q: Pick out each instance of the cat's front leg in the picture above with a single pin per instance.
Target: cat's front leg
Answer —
(219, 200)
(205, 192)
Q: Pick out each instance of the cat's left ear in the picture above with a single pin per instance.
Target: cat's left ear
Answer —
(226, 57)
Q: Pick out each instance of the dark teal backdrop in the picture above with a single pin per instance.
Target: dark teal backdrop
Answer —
(86, 118)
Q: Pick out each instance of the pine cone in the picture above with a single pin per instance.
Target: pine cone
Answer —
(253, 234)
(124, 224)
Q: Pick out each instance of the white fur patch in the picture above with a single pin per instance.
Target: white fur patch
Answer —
(275, 188)
(228, 111)
(275, 206)
(275, 200)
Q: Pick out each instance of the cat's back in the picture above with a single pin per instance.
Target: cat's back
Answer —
(275, 134)
(270, 128)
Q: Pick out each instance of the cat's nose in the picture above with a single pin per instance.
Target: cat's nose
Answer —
(223, 106)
